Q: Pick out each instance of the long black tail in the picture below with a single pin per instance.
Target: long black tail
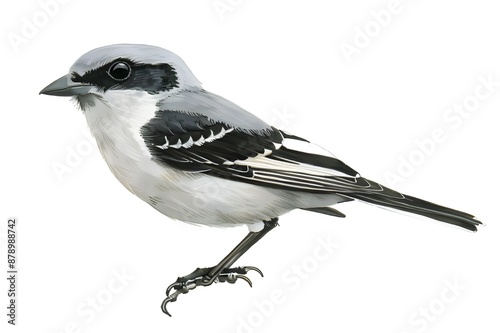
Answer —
(421, 207)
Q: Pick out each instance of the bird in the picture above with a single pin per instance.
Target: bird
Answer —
(199, 158)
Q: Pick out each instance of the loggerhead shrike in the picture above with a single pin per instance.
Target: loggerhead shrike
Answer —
(170, 143)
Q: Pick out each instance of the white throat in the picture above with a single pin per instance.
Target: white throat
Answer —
(115, 121)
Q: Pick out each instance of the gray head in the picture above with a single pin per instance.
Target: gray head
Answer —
(125, 67)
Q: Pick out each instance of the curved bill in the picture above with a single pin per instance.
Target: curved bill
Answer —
(65, 87)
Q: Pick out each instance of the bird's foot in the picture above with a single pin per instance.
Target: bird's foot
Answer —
(200, 277)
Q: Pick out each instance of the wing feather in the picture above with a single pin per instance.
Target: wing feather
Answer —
(265, 156)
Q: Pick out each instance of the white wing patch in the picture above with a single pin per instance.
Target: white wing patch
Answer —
(190, 142)
(296, 181)
(305, 147)
(262, 162)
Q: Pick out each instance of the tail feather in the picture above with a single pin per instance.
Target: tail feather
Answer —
(326, 210)
(421, 207)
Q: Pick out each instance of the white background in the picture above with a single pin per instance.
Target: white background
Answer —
(274, 59)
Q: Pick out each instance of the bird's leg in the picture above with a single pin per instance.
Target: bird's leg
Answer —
(222, 272)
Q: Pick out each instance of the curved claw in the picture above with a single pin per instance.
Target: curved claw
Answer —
(172, 286)
(243, 277)
(164, 305)
(253, 268)
(173, 298)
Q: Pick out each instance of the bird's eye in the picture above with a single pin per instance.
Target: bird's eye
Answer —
(119, 71)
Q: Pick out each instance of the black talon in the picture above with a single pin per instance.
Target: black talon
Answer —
(252, 268)
(172, 286)
(164, 304)
(180, 288)
(243, 277)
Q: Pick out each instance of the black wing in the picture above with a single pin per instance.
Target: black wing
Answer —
(195, 143)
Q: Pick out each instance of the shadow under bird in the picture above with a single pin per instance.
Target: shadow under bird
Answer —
(170, 142)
